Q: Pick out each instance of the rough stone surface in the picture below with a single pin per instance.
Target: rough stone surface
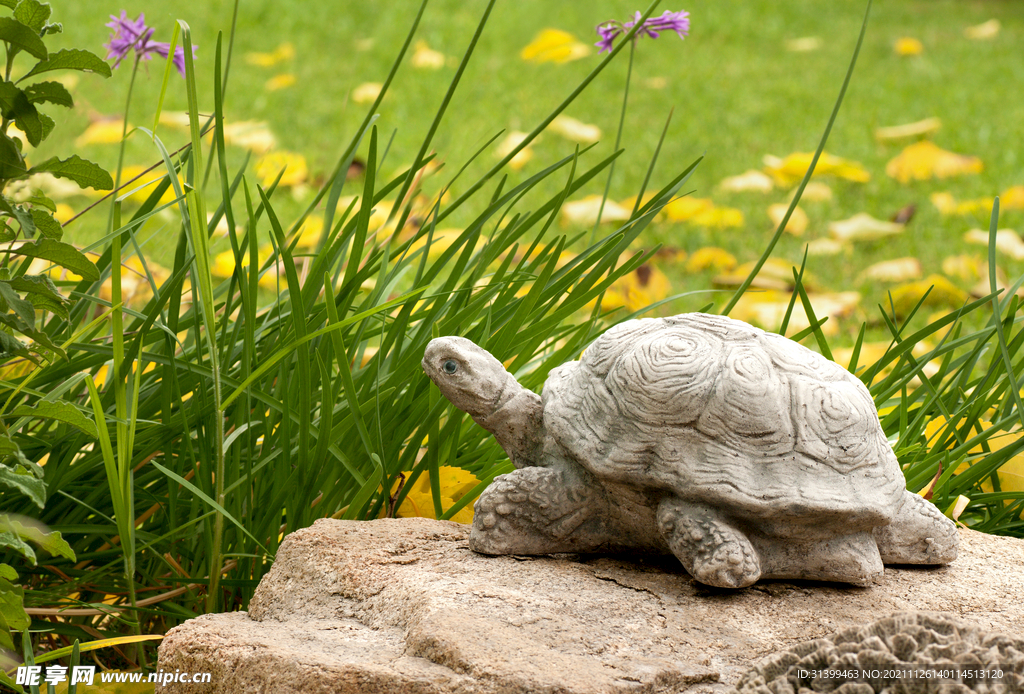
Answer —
(745, 454)
(404, 605)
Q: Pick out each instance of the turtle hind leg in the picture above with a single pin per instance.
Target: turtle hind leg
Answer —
(535, 510)
(918, 534)
(712, 550)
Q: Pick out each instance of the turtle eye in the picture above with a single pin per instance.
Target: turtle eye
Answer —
(450, 366)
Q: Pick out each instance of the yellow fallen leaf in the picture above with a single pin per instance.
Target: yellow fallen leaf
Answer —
(1010, 473)
(269, 166)
(135, 287)
(655, 82)
(774, 274)
(983, 31)
(584, 212)
(942, 294)
(64, 212)
(924, 160)
(441, 241)
(143, 187)
(792, 168)
(279, 82)
(825, 246)
(686, 208)
(944, 202)
(1008, 241)
(748, 180)
(102, 132)
(906, 45)
(455, 483)
(642, 287)
(711, 258)
(804, 44)
(1012, 198)
(309, 232)
(426, 58)
(907, 130)
(367, 92)
(224, 263)
(719, 218)
(507, 145)
(815, 191)
(555, 46)
(767, 310)
(863, 227)
(572, 129)
(285, 51)
(252, 135)
(896, 270)
(797, 223)
(964, 267)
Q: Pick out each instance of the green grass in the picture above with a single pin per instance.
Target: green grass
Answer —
(738, 94)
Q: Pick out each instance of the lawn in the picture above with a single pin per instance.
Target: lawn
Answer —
(736, 89)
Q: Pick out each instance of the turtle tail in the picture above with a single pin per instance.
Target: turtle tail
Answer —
(918, 534)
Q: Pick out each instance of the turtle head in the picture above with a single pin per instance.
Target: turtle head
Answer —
(471, 379)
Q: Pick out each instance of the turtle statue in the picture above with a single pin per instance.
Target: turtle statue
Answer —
(743, 453)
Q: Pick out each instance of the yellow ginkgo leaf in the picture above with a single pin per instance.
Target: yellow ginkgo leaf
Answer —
(310, 231)
(102, 132)
(425, 58)
(269, 166)
(896, 270)
(64, 212)
(774, 274)
(797, 223)
(143, 187)
(805, 44)
(965, 267)
(224, 263)
(863, 227)
(1010, 473)
(279, 82)
(815, 191)
(686, 208)
(983, 31)
(825, 247)
(455, 483)
(135, 287)
(575, 130)
(748, 180)
(640, 288)
(1012, 198)
(924, 160)
(941, 294)
(906, 45)
(554, 46)
(719, 218)
(711, 258)
(508, 145)
(944, 202)
(768, 309)
(584, 212)
(792, 168)
(285, 51)
(367, 92)
(252, 135)
(907, 130)
(1008, 241)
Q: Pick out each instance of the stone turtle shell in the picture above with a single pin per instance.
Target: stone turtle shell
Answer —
(713, 410)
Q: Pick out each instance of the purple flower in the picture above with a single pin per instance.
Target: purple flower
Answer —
(134, 34)
(678, 22)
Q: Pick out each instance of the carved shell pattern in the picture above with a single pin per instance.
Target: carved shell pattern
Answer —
(707, 403)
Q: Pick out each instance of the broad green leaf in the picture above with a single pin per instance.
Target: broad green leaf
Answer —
(36, 284)
(47, 123)
(52, 92)
(60, 253)
(32, 14)
(84, 173)
(9, 3)
(7, 233)
(46, 225)
(50, 540)
(53, 28)
(45, 303)
(12, 605)
(12, 164)
(28, 485)
(61, 411)
(8, 572)
(71, 59)
(23, 308)
(40, 200)
(24, 217)
(41, 337)
(23, 38)
(11, 346)
(11, 540)
(14, 105)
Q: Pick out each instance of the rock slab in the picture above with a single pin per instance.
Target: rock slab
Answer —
(403, 605)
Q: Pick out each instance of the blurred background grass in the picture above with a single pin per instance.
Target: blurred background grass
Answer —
(737, 92)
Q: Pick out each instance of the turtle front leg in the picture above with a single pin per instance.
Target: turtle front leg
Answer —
(537, 510)
(711, 549)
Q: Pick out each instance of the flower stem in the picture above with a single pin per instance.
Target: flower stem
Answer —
(618, 140)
